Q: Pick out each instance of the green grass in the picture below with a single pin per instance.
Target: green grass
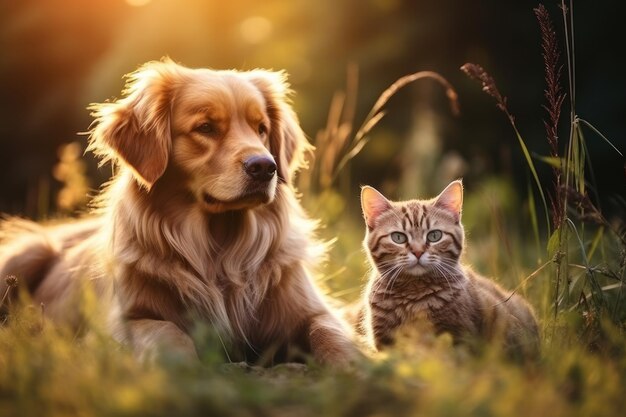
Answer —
(47, 372)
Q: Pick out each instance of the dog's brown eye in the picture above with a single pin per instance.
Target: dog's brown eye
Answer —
(206, 128)
(262, 129)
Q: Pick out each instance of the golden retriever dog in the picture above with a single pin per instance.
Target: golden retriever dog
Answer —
(199, 223)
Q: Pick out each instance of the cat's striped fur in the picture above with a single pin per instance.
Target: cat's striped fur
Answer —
(417, 278)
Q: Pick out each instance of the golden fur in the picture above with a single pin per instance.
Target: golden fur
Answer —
(181, 233)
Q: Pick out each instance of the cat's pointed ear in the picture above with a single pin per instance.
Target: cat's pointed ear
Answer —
(373, 204)
(451, 199)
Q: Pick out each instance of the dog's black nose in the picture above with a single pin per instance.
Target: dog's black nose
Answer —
(260, 168)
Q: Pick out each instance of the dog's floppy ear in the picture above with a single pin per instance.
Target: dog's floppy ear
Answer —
(288, 142)
(135, 130)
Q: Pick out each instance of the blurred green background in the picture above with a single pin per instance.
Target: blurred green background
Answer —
(59, 55)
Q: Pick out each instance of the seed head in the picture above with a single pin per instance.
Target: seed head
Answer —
(11, 281)
(478, 73)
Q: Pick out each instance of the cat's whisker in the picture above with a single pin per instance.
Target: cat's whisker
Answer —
(389, 268)
(448, 275)
(393, 280)
(395, 273)
(448, 265)
(453, 266)
(392, 275)
(384, 276)
(385, 264)
(382, 269)
(443, 273)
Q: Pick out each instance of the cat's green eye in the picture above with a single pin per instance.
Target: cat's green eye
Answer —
(398, 237)
(434, 236)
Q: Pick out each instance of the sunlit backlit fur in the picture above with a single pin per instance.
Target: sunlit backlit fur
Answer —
(418, 281)
(182, 233)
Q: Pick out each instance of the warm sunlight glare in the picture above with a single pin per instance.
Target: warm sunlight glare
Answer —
(138, 3)
(255, 29)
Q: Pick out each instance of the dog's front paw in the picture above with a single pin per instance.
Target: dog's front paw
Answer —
(331, 343)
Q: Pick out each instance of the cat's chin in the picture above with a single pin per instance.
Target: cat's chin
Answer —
(416, 270)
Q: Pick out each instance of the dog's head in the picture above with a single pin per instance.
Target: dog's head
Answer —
(231, 134)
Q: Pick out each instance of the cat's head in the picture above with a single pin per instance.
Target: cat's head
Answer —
(416, 237)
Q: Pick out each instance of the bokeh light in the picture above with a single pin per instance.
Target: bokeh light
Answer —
(138, 3)
(255, 29)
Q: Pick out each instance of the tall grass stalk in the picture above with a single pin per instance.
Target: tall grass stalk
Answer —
(575, 189)
(335, 147)
(476, 72)
(572, 172)
(562, 258)
(377, 113)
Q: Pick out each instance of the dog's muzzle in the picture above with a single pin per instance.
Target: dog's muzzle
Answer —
(260, 169)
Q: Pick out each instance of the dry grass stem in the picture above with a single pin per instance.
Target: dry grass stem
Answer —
(377, 113)
(333, 147)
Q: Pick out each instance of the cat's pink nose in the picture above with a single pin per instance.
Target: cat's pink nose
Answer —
(418, 254)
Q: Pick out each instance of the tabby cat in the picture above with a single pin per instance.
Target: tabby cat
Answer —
(414, 247)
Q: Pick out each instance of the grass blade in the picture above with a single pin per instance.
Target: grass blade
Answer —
(533, 171)
(553, 161)
(597, 132)
(478, 73)
(533, 219)
(596, 289)
(595, 242)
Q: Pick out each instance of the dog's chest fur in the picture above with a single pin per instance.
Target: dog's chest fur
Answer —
(226, 269)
